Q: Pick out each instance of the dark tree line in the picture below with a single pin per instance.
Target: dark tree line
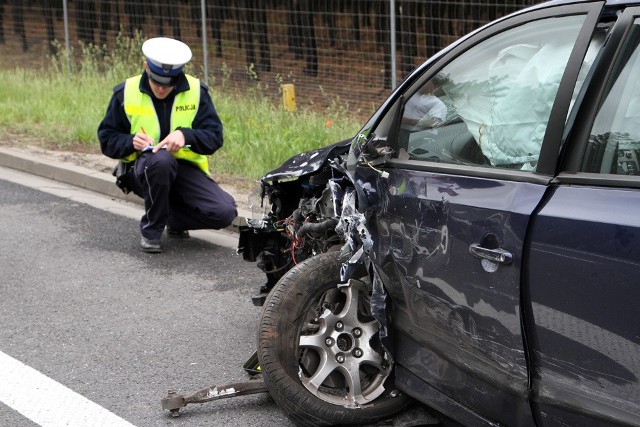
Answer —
(418, 22)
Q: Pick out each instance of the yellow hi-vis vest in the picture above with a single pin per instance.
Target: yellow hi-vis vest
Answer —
(139, 109)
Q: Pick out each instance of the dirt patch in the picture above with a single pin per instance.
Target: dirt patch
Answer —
(78, 154)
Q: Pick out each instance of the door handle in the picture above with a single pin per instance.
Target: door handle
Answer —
(496, 255)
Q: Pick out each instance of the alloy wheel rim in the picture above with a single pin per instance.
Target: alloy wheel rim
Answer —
(338, 362)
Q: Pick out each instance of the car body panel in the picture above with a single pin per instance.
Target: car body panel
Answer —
(306, 163)
(586, 339)
(459, 315)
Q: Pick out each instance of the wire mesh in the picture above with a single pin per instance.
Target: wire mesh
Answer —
(333, 51)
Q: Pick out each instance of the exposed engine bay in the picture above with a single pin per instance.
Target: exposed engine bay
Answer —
(298, 209)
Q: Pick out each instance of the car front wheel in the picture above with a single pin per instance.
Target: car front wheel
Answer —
(319, 348)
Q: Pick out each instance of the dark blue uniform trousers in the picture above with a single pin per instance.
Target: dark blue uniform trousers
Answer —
(178, 194)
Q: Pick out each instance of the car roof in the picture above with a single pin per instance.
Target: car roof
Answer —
(623, 2)
(607, 3)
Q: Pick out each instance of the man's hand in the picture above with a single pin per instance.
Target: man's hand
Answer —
(173, 142)
(141, 140)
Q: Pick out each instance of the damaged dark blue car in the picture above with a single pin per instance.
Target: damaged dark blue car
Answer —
(475, 249)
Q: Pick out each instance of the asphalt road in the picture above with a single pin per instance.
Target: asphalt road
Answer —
(83, 306)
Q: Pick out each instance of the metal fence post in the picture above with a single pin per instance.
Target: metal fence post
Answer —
(67, 42)
(392, 26)
(205, 62)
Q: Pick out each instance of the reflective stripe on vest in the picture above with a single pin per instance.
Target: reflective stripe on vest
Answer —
(139, 109)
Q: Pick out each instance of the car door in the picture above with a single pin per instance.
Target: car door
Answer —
(584, 263)
(475, 138)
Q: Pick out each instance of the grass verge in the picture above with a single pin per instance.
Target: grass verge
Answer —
(62, 107)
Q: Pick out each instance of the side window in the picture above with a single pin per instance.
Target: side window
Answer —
(614, 142)
(490, 106)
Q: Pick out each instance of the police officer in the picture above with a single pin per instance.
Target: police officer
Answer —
(162, 125)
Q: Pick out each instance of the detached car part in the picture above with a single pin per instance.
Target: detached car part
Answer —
(173, 402)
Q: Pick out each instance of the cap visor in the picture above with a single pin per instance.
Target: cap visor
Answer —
(162, 80)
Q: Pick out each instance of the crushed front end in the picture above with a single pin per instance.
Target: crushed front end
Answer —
(299, 206)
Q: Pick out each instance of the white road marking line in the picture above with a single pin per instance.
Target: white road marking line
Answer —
(48, 403)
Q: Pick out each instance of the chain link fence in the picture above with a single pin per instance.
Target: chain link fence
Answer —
(332, 51)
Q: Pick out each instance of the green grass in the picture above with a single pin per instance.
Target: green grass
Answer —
(64, 105)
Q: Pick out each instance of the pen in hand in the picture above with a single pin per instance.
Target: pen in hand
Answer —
(148, 147)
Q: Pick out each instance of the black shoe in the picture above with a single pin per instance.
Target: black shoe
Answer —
(177, 234)
(151, 246)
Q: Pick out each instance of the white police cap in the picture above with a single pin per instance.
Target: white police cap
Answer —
(165, 58)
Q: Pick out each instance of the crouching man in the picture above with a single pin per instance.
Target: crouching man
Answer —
(162, 125)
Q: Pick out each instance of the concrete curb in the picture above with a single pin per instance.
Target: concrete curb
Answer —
(81, 177)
